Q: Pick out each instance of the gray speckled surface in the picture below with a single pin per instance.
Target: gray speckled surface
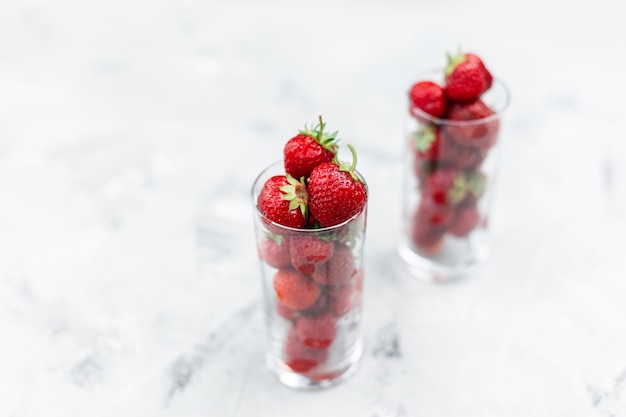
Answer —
(131, 132)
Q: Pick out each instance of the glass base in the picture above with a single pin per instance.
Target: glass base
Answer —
(455, 262)
(318, 378)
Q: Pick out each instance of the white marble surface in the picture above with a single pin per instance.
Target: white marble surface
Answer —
(131, 131)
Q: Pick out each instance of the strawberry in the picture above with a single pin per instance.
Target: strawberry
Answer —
(467, 215)
(446, 186)
(433, 146)
(283, 200)
(339, 307)
(486, 74)
(465, 220)
(470, 199)
(477, 133)
(274, 250)
(308, 251)
(466, 77)
(316, 332)
(339, 269)
(308, 149)
(286, 312)
(429, 97)
(336, 192)
(432, 213)
(466, 157)
(299, 357)
(341, 298)
(430, 145)
(427, 237)
(423, 169)
(295, 290)
(320, 305)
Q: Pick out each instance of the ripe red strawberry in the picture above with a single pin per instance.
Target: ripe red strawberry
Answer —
(339, 307)
(423, 169)
(274, 250)
(466, 77)
(430, 145)
(308, 251)
(317, 332)
(320, 305)
(466, 157)
(467, 215)
(287, 312)
(481, 134)
(336, 193)
(295, 290)
(428, 238)
(342, 290)
(470, 199)
(339, 269)
(299, 357)
(432, 213)
(341, 298)
(465, 220)
(487, 75)
(283, 200)
(445, 186)
(308, 149)
(429, 97)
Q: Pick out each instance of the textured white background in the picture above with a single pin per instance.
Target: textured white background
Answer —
(131, 131)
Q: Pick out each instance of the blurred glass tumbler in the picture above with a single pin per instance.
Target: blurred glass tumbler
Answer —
(448, 188)
(314, 331)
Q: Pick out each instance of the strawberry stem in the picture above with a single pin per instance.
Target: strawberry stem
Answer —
(321, 128)
(328, 141)
(349, 168)
(353, 152)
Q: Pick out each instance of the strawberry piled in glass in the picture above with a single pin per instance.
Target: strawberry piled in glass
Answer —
(454, 125)
(310, 227)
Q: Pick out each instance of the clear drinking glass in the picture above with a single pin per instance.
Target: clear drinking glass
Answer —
(314, 338)
(445, 242)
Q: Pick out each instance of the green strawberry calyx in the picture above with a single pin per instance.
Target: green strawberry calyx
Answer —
(348, 167)
(295, 192)
(423, 138)
(453, 61)
(476, 183)
(458, 191)
(327, 141)
(276, 238)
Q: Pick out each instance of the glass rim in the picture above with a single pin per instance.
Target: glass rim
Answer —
(295, 229)
(447, 122)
